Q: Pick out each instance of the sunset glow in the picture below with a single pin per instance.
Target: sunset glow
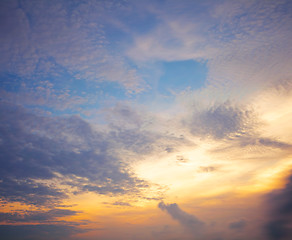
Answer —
(163, 120)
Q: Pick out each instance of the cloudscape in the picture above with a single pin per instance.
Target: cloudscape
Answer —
(163, 120)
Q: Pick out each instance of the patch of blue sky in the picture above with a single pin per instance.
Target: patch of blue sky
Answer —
(94, 98)
(51, 111)
(55, 91)
(165, 79)
(141, 23)
(119, 32)
(112, 89)
(180, 75)
(77, 84)
(10, 82)
(47, 68)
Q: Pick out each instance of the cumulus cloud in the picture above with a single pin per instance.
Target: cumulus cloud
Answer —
(189, 221)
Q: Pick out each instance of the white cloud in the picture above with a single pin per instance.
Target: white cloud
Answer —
(246, 44)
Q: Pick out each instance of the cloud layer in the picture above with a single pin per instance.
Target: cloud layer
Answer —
(34, 232)
(41, 154)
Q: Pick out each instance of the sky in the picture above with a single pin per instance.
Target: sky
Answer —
(157, 119)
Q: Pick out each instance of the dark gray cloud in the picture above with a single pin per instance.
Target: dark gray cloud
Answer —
(35, 216)
(238, 225)
(279, 202)
(220, 121)
(35, 148)
(29, 191)
(38, 232)
(187, 220)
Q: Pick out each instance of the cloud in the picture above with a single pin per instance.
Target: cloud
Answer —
(41, 155)
(134, 128)
(245, 51)
(255, 140)
(51, 49)
(165, 231)
(174, 37)
(238, 125)
(238, 225)
(249, 68)
(122, 115)
(38, 232)
(279, 203)
(207, 169)
(54, 40)
(44, 94)
(220, 121)
(187, 220)
(124, 204)
(36, 216)
(274, 143)
(181, 159)
(16, 189)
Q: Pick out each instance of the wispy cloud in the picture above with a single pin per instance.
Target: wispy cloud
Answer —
(189, 221)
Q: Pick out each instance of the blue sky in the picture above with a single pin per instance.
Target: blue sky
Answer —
(180, 75)
(145, 119)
